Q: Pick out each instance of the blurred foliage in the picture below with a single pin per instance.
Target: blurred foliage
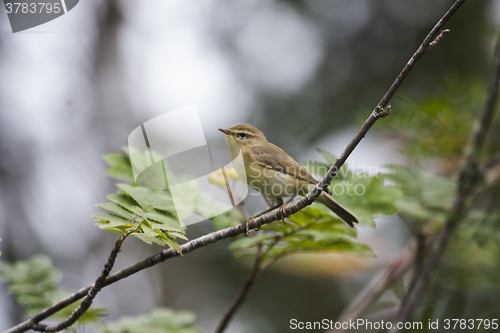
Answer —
(315, 228)
(434, 130)
(35, 285)
(426, 197)
(160, 320)
(364, 195)
(438, 125)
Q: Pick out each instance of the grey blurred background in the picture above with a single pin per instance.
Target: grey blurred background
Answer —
(304, 72)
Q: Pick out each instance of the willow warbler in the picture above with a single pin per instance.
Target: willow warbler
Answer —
(273, 172)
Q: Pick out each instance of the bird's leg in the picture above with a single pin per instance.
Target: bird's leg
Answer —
(246, 221)
(283, 206)
(270, 202)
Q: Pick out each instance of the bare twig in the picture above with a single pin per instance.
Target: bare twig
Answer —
(87, 301)
(372, 291)
(438, 39)
(420, 255)
(245, 288)
(468, 181)
(491, 163)
(305, 201)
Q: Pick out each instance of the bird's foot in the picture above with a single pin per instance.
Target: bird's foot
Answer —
(282, 212)
(245, 225)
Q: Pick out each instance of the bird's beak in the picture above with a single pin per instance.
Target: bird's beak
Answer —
(225, 131)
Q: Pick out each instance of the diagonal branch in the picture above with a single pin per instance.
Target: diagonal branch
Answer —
(245, 288)
(468, 182)
(87, 301)
(379, 111)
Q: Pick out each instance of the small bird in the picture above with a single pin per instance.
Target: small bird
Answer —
(274, 173)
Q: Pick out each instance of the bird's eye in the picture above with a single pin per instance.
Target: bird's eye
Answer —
(242, 135)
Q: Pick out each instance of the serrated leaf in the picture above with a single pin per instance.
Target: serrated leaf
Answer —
(111, 218)
(148, 239)
(341, 243)
(117, 209)
(167, 222)
(174, 245)
(137, 193)
(119, 166)
(124, 201)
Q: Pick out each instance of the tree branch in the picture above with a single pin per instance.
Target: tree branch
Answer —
(87, 301)
(468, 181)
(305, 201)
(372, 291)
(245, 288)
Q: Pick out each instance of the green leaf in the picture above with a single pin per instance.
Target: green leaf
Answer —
(321, 242)
(160, 320)
(166, 221)
(138, 194)
(114, 220)
(119, 166)
(312, 229)
(141, 219)
(156, 236)
(327, 156)
(244, 243)
(227, 219)
(117, 209)
(124, 201)
(149, 198)
(426, 197)
(429, 125)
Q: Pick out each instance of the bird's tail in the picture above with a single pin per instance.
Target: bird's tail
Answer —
(327, 200)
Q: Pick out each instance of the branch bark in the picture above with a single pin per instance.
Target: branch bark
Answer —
(378, 112)
(87, 301)
(245, 288)
(468, 181)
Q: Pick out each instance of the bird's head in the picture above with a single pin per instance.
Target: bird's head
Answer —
(243, 135)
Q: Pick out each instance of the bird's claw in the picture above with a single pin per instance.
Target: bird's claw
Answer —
(281, 210)
(245, 224)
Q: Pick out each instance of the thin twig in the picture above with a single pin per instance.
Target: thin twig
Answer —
(438, 39)
(372, 291)
(305, 201)
(420, 255)
(468, 181)
(87, 301)
(245, 288)
(491, 163)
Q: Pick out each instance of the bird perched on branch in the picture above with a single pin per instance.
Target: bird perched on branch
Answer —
(274, 173)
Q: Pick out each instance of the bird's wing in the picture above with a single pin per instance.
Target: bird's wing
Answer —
(271, 156)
